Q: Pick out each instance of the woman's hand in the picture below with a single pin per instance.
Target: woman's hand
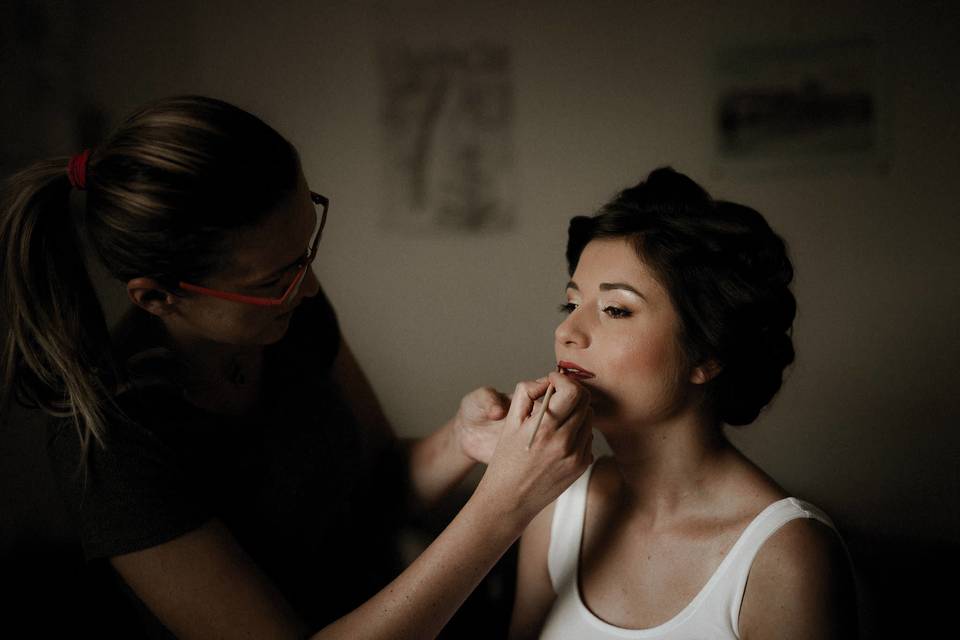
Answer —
(523, 481)
(479, 422)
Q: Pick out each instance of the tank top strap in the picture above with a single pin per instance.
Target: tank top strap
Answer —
(741, 556)
(566, 531)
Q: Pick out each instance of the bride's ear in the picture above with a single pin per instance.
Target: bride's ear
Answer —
(705, 372)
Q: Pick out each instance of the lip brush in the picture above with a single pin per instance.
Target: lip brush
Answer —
(543, 412)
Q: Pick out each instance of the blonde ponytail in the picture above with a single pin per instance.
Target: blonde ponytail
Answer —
(57, 353)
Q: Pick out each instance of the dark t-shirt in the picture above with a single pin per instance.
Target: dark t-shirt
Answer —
(311, 496)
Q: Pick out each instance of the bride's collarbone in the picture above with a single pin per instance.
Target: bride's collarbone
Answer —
(638, 574)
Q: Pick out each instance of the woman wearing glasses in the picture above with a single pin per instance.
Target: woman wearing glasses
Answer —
(222, 449)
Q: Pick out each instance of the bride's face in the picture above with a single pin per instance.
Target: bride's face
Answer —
(621, 337)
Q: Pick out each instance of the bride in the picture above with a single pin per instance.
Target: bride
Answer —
(678, 321)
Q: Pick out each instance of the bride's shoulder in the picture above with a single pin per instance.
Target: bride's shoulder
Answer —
(749, 488)
(803, 572)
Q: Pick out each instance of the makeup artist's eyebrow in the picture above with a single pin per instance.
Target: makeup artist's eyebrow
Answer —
(610, 286)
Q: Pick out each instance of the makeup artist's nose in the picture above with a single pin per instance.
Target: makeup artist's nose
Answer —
(570, 333)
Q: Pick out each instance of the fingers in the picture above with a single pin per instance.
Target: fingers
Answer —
(583, 443)
(491, 403)
(499, 406)
(523, 396)
(575, 435)
(566, 411)
(497, 412)
(534, 466)
(569, 396)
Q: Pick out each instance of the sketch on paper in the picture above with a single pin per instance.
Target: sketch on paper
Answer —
(447, 136)
(790, 101)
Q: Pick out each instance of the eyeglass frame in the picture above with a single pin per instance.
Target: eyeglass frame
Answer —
(292, 288)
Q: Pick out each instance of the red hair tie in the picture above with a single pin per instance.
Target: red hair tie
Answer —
(77, 169)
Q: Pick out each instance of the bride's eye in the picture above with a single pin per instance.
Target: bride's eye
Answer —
(616, 312)
(567, 308)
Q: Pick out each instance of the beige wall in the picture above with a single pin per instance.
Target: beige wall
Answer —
(866, 425)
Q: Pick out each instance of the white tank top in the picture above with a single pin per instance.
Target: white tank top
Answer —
(713, 613)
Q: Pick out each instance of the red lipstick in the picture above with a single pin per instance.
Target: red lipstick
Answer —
(574, 370)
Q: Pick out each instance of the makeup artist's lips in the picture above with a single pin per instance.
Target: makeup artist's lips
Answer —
(574, 370)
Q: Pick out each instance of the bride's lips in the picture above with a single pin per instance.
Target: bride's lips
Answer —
(574, 370)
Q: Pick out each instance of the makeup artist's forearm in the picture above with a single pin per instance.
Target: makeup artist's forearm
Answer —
(437, 465)
(419, 602)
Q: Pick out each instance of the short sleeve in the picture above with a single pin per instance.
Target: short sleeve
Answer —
(132, 494)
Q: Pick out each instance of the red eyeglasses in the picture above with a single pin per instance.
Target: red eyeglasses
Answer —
(294, 287)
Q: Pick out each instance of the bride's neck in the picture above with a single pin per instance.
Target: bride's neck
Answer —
(668, 465)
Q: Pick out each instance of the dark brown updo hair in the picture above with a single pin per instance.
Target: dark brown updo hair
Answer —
(727, 273)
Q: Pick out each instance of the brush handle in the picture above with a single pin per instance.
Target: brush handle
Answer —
(543, 412)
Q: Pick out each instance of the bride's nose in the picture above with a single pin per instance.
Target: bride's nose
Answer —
(571, 332)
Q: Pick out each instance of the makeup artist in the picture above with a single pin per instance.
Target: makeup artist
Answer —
(221, 449)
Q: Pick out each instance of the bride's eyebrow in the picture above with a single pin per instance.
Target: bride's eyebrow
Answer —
(610, 286)
(572, 285)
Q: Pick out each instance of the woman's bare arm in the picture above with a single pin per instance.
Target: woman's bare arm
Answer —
(534, 593)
